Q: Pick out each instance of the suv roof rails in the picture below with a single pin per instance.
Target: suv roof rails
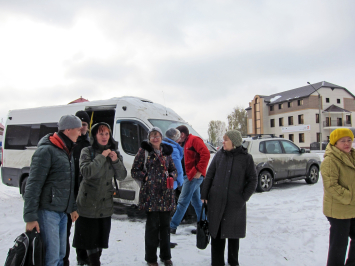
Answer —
(261, 136)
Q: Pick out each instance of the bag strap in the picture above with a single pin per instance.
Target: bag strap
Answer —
(92, 155)
(145, 161)
(204, 207)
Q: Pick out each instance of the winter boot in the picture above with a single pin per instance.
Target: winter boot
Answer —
(167, 262)
(82, 257)
(95, 258)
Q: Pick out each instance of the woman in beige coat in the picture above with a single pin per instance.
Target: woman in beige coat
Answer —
(338, 172)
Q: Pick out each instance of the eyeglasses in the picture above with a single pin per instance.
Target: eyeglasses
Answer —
(156, 137)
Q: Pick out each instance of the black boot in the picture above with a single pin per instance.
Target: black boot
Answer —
(82, 257)
(95, 259)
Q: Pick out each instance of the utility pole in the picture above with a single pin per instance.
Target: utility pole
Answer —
(319, 115)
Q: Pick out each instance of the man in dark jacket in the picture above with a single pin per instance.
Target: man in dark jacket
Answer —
(50, 188)
(196, 158)
(82, 142)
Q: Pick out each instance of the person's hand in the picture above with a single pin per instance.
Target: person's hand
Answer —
(31, 225)
(197, 175)
(74, 216)
(106, 152)
(204, 201)
(113, 156)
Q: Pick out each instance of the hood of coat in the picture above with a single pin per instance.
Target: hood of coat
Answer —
(335, 153)
(175, 145)
(236, 151)
(167, 149)
(112, 143)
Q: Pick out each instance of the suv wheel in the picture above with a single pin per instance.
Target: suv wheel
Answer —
(313, 175)
(265, 181)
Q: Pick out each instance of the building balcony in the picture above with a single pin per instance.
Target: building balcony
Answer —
(336, 123)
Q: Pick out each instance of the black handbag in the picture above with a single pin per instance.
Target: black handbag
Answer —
(202, 234)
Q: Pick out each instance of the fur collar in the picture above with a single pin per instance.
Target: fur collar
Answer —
(167, 149)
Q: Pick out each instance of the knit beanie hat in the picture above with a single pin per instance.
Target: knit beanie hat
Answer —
(173, 134)
(235, 137)
(83, 116)
(340, 133)
(155, 129)
(69, 122)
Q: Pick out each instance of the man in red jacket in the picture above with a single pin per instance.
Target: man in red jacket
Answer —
(196, 157)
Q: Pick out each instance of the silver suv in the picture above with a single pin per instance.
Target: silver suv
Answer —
(278, 160)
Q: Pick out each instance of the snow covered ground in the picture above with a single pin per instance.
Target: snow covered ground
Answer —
(286, 226)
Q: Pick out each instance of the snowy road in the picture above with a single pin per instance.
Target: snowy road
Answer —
(285, 227)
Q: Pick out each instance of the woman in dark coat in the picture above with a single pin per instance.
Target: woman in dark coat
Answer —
(230, 181)
(99, 164)
(155, 197)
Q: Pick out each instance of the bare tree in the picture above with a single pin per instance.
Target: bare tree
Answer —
(216, 130)
(238, 120)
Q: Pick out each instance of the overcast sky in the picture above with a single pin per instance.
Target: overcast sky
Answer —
(200, 58)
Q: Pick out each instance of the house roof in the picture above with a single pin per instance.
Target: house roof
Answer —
(335, 109)
(79, 100)
(299, 93)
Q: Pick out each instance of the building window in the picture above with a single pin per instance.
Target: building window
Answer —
(317, 118)
(272, 122)
(301, 137)
(290, 120)
(327, 100)
(280, 105)
(281, 121)
(289, 104)
(318, 137)
(271, 108)
(290, 137)
(338, 100)
(300, 102)
(300, 119)
(281, 136)
(348, 120)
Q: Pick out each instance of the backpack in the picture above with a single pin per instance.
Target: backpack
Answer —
(28, 250)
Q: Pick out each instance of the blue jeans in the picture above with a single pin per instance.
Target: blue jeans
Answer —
(190, 192)
(53, 227)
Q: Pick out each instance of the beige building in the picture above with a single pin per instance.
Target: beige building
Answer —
(294, 114)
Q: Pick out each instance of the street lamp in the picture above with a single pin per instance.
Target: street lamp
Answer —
(320, 120)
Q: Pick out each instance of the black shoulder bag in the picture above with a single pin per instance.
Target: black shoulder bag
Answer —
(202, 234)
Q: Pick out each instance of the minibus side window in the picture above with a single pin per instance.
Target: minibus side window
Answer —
(17, 136)
(132, 135)
(34, 137)
(47, 128)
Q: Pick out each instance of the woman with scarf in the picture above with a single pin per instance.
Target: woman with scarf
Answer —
(99, 164)
(230, 181)
(154, 168)
(338, 174)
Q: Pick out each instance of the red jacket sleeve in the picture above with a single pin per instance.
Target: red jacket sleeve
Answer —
(204, 155)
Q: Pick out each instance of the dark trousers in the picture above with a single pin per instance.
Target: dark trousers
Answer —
(157, 226)
(217, 250)
(81, 254)
(340, 231)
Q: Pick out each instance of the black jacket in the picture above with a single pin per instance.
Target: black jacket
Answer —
(82, 142)
(50, 184)
(229, 183)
